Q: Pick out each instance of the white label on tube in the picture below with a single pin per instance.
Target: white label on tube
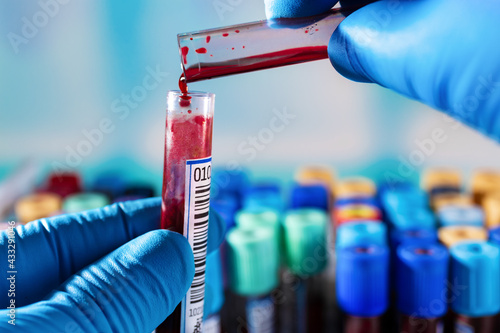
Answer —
(260, 315)
(212, 324)
(196, 210)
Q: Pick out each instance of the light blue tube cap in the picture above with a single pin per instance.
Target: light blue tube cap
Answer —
(461, 215)
(363, 233)
(475, 279)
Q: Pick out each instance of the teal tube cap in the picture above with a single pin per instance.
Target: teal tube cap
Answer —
(475, 277)
(253, 261)
(305, 241)
(84, 201)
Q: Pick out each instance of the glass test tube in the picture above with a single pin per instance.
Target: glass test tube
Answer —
(258, 45)
(186, 193)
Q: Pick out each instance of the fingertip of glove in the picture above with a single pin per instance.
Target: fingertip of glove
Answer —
(296, 8)
(343, 56)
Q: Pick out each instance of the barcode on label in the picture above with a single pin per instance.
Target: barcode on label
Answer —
(196, 212)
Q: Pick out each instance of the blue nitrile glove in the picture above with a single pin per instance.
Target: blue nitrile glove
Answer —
(444, 53)
(104, 270)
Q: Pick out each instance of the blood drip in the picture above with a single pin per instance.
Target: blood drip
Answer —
(225, 35)
(201, 50)
(185, 99)
(184, 52)
(208, 39)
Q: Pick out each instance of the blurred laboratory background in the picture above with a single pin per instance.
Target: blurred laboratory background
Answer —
(83, 88)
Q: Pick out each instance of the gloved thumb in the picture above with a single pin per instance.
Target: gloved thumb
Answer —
(132, 289)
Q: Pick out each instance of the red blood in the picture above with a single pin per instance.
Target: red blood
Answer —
(183, 84)
(298, 55)
(187, 137)
(189, 111)
(184, 52)
(317, 29)
(225, 35)
(208, 39)
(201, 50)
(211, 55)
(191, 38)
(307, 31)
(237, 31)
(243, 46)
(232, 48)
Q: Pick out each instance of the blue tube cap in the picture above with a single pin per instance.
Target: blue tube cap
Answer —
(214, 289)
(421, 280)
(264, 195)
(309, 196)
(412, 218)
(475, 276)
(495, 236)
(415, 236)
(226, 205)
(362, 280)
(363, 233)
(461, 215)
(226, 181)
(356, 201)
(404, 196)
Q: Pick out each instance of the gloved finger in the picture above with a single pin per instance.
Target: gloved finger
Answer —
(133, 289)
(49, 251)
(426, 51)
(296, 8)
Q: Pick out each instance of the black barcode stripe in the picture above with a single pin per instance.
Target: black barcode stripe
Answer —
(201, 203)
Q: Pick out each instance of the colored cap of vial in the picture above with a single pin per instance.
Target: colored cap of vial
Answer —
(491, 205)
(84, 201)
(361, 234)
(484, 182)
(226, 205)
(305, 238)
(461, 215)
(475, 276)
(370, 201)
(416, 218)
(259, 217)
(232, 182)
(356, 212)
(64, 184)
(37, 206)
(214, 289)
(144, 190)
(417, 236)
(317, 175)
(362, 280)
(264, 195)
(356, 187)
(110, 184)
(495, 235)
(441, 177)
(404, 196)
(446, 199)
(421, 276)
(310, 196)
(452, 235)
(253, 261)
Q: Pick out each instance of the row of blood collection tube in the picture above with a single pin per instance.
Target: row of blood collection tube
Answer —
(65, 193)
(399, 258)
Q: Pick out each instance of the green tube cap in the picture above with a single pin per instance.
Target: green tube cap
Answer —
(253, 261)
(305, 240)
(84, 201)
(261, 218)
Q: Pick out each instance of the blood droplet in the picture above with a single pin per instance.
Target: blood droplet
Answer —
(184, 52)
(208, 39)
(243, 46)
(232, 48)
(201, 50)
(225, 35)
(189, 111)
(191, 38)
(317, 29)
(183, 84)
(307, 31)
(237, 31)
(211, 55)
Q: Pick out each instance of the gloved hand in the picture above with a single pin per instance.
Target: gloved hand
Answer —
(444, 53)
(104, 270)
